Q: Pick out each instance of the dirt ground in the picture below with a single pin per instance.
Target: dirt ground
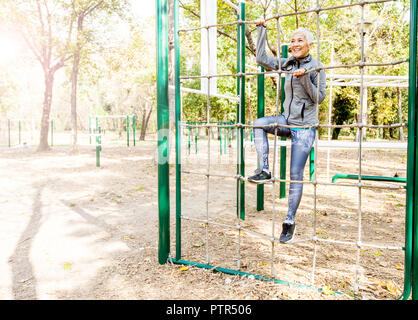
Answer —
(73, 231)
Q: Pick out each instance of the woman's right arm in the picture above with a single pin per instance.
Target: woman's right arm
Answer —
(261, 57)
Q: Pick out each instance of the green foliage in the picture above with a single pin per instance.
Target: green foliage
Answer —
(344, 108)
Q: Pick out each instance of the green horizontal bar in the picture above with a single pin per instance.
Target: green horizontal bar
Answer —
(246, 274)
(374, 178)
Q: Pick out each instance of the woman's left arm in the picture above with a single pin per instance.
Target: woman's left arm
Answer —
(310, 82)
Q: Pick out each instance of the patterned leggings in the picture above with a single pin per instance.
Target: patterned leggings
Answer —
(302, 142)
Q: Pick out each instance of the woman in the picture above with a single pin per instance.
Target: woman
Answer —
(300, 109)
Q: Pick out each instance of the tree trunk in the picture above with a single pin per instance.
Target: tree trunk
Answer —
(74, 82)
(74, 79)
(297, 17)
(400, 117)
(335, 133)
(46, 111)
(144, 125)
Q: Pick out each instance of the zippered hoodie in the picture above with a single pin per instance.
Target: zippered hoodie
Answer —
(301, 93)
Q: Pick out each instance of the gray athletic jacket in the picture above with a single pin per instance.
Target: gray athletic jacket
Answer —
(301, 92)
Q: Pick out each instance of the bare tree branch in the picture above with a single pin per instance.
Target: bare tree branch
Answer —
(250, 46)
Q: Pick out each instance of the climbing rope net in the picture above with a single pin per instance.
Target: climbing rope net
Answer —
(359, 244)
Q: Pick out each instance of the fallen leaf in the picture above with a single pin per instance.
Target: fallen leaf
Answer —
(327, 290)
(198, 244)
(392, 288)
(184, 268)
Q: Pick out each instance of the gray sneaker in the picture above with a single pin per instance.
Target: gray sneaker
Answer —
(260, 177)
(288, 232)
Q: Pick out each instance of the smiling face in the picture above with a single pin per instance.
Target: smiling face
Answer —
(299, 45)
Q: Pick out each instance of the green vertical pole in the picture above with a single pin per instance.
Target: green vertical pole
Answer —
(283, 148)
(8, 129)
(97, 122)
(98, 146)
(52, 133)
(241, 115)
(229, 134)
(127, 130)
(411, 232)
(163, 132)
(195, 138)
(190, 132)
(260, 114)
(312, 164)
(133, 129)
(178, 129)
(225, 138)
(220, 139)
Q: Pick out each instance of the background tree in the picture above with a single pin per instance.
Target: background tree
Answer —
(82, 10)
(119, 78)
(46, 27)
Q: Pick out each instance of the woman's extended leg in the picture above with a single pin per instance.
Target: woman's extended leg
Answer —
(302, 142)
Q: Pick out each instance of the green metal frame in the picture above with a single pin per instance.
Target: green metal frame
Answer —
(178, 130)
(411, 218)
(373, 178)
(98, 132)
(9, 132)
(245, 274)
(411, 237)
(260, 114)
(163, 132)
(127, 129)
(51, 126)
(283, 149)
(223, 133)
(241, 116)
